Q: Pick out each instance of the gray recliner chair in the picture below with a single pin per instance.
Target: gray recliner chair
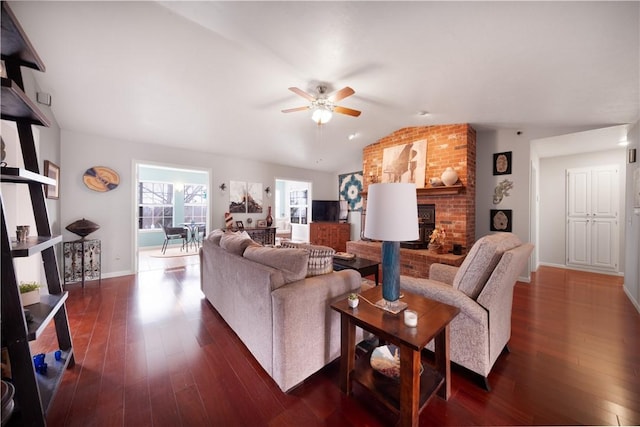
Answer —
(482, 288)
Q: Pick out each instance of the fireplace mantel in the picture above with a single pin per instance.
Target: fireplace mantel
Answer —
(436, 191)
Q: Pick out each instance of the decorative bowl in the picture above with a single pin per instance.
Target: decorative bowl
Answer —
(82, 227)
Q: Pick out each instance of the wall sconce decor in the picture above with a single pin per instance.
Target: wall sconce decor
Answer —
(223, 187)
(268, 191)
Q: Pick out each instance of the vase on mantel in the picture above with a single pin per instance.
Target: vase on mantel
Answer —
(449, 177)
(269, 217)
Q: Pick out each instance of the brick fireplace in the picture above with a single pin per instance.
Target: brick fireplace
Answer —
(447, 146)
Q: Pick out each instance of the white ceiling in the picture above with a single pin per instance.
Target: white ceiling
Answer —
(213, 76)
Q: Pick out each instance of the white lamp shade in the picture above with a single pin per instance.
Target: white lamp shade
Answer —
(392, 212)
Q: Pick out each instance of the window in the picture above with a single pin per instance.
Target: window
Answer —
(155, 205)
(298, 206)
(195, 203)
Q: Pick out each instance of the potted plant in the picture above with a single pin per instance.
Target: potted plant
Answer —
(29, 293)
(353, 300)
(437, 239)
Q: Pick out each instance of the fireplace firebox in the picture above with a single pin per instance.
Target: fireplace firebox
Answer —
(426, 224)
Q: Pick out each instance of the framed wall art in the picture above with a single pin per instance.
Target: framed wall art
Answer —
(52, 171)
(239, 225)
(501, 220)
(502, 163)
(405, 163)
(350, 185)
(254, 197)
(237, 197)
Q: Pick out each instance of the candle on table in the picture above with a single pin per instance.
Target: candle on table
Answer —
(410, 318)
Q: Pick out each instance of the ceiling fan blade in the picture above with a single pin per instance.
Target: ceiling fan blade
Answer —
(291, 110)
(302, 93)
(341, 94)
(347, 111)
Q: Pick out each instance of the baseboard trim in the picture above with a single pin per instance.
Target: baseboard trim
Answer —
(588, 270)
(634, 302)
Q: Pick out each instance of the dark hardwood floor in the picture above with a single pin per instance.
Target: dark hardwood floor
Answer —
(151, 351)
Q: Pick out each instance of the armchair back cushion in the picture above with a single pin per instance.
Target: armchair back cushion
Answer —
(481, 260)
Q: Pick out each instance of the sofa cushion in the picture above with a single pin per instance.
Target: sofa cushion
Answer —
(291, 262)
(320, 257)
(481, 260)
(215, 236)
(236, 243)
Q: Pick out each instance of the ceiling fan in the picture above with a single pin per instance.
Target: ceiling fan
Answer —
(324, 105)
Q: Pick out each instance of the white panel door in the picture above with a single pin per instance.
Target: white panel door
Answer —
(592, 217)
(579, 192)
(578, 238)
(604, 192)
(604, 246)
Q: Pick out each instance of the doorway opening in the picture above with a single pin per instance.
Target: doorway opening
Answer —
(293, 209)
(169, 196)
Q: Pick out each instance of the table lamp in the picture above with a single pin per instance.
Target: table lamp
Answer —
(392, 216)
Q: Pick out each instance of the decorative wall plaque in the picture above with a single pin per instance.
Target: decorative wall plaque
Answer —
(100, 178)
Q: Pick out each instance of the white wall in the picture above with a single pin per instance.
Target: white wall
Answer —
(488, 143)
(632, 247)
(553, 196)
(114, 210)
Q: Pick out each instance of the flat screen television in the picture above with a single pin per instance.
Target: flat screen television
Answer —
(325, 210)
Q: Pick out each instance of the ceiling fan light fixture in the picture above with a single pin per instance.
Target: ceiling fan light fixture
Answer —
(321, 114)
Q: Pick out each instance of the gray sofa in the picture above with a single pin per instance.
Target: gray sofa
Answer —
(281, 315)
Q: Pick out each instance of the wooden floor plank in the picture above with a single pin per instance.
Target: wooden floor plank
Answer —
(150, 350)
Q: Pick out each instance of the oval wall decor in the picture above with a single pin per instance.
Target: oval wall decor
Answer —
(100, 178)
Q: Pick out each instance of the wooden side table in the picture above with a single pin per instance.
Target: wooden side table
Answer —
(82, 261)
(413, 391)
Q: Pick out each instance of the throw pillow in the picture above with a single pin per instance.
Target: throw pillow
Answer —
(291, 262)
(320, 257)
(235, 244)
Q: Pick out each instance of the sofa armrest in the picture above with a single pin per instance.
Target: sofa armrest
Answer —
(443, 273)
(306, 331)
(444, 293)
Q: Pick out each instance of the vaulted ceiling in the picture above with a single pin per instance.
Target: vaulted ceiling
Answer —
(213, 76)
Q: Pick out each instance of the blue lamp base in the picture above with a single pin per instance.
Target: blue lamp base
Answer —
(391, 278)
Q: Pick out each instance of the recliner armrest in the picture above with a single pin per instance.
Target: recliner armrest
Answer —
(443, 273)
(446, 294)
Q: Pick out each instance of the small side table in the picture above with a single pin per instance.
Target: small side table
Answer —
(365, 267)
(414, 390)
(82, 261)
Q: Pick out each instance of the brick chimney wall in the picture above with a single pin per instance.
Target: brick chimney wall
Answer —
(447, 146)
